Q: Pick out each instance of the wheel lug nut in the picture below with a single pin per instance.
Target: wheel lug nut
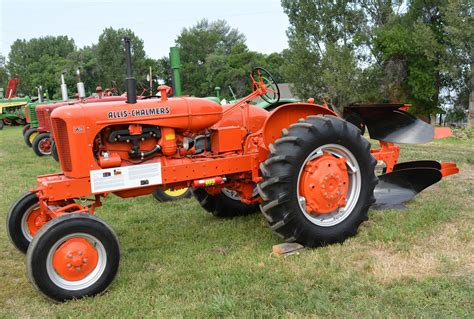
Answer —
(84, 260)
(80, 253)
(69, 256)
(68, 265)
(78, 268)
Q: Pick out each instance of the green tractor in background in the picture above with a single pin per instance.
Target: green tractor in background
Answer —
(11, 106)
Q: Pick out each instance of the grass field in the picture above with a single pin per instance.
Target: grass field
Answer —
(179, 261)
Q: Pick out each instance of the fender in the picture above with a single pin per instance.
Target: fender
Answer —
(287, 114)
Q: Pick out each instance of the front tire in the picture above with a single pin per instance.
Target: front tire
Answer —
(24, 221)
(29, 136)
(225, 204)
(73, 256)
(42, 144)
(25, 128)
(309, 195)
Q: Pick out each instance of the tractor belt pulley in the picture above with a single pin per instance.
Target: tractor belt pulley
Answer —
(135, 139)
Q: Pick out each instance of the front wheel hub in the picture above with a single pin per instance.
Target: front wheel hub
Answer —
(324, 184)
(75, 259)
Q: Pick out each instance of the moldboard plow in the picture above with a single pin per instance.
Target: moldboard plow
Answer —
(311, 173)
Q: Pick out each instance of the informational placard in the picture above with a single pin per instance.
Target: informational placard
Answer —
(118, 178)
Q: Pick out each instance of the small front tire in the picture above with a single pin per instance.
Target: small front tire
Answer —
(172, 195)
(73, 256)
(29, 136)
(42, 144)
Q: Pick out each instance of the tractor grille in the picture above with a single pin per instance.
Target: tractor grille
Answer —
(41, 115)
(62, 144)
(32, 114)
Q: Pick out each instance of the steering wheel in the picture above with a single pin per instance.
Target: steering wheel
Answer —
(261, 76)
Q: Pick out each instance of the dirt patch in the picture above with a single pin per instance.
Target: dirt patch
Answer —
(449, 252)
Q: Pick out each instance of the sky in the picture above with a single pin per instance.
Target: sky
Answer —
(158, 22)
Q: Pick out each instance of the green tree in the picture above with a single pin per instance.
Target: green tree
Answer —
(322, 47)
(111, 57)
(198, 43)
(40, 61)
(3, 73)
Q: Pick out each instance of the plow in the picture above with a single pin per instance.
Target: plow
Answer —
(310, 172)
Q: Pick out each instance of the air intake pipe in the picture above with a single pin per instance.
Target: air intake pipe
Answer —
(130, 81)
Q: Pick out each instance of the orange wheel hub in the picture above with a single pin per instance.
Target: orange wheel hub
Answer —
(75, 259)
(36, 220)
(324, 183)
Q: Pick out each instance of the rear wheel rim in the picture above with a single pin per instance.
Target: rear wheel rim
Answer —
(76, 261)
(354, 175)
(176, 192)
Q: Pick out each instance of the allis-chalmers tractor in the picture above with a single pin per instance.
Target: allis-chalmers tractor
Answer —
(311, 172)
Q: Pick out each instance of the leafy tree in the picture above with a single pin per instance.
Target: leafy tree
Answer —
(40, 61)
(198, 43)
(111, 57)
(3, 73)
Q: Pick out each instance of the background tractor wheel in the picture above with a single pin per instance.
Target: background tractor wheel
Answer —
(54, 151)
(318, 182)
(24, 221)
(25, 128)
(73, 256)
(170, 195)
(29, 136)
(226, 204)
(42, 144)
(1, 125)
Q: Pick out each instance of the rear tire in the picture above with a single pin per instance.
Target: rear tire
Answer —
(168, 195)
(223, 205)
(73, 256)
(29, 136)
(286, 209)
(42, 144)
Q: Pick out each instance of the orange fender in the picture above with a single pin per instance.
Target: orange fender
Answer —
(287, 114)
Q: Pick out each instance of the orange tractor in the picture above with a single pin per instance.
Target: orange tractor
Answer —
(311, 173)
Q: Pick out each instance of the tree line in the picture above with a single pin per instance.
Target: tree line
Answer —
(410, 51)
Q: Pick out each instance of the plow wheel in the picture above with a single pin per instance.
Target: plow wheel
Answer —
(29, 136)
(42, 144)
(170, 195)
(318, 182)
(73, 256)
(24, 220)
(226, 204)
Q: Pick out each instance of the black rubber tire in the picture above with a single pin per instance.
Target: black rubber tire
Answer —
(26, 136)
(54, 151)
(223, 206)
(36, 144)
(25, 128)
(55, 230)
(161, 196)
(356, 120)
(14, 220)
(280, 177)
(1, 124)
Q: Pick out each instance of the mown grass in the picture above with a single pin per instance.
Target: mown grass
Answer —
(178, 261)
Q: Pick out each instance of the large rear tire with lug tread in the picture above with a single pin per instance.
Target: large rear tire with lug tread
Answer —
(24, 221)
(29, 136)
(318, 182)
(42, 144)
(171, 195)
(73, 256)
(225, 205)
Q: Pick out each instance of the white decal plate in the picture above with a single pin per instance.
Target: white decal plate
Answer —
(117, 178)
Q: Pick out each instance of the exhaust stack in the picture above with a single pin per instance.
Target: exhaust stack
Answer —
(64, 89)
(130, 81)
(81, 91)
(40, 94)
